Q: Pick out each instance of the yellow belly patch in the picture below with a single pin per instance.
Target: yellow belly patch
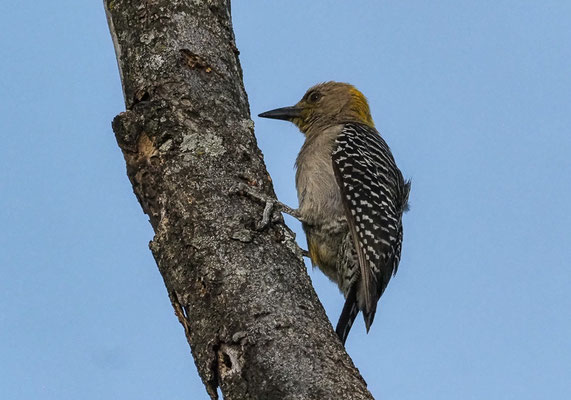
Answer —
(323, 258)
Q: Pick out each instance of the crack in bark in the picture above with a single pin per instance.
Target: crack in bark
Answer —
(214, 382)
(181, 314)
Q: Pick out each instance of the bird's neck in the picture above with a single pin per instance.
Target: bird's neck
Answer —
(357, 109)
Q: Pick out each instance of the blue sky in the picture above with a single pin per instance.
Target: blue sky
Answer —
(474, 99)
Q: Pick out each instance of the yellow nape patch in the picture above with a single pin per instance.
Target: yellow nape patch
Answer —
(360, 107)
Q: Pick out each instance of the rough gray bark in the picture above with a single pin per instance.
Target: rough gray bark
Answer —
(253, 321)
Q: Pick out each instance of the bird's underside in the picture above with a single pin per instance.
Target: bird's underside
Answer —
(351, 196)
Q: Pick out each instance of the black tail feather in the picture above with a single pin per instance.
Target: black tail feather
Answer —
(348, 315)
(369, 317)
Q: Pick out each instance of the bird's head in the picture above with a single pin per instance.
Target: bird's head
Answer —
(325, 105)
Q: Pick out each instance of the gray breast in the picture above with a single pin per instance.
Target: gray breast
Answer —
(317, 190)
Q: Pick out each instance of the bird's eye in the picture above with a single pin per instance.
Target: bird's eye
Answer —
(314, 97)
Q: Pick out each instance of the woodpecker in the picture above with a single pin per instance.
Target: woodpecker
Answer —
(351, 196)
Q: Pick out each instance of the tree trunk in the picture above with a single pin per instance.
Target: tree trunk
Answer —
(253, 321)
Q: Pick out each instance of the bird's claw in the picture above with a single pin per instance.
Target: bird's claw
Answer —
(269, 205)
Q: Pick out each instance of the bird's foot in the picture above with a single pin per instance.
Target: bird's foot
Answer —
(270, 205)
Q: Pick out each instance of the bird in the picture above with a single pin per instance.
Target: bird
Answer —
(351, 196)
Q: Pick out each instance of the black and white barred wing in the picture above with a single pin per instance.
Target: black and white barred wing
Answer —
(370, 186)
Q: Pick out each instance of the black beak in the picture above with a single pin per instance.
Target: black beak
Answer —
(285, 113)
